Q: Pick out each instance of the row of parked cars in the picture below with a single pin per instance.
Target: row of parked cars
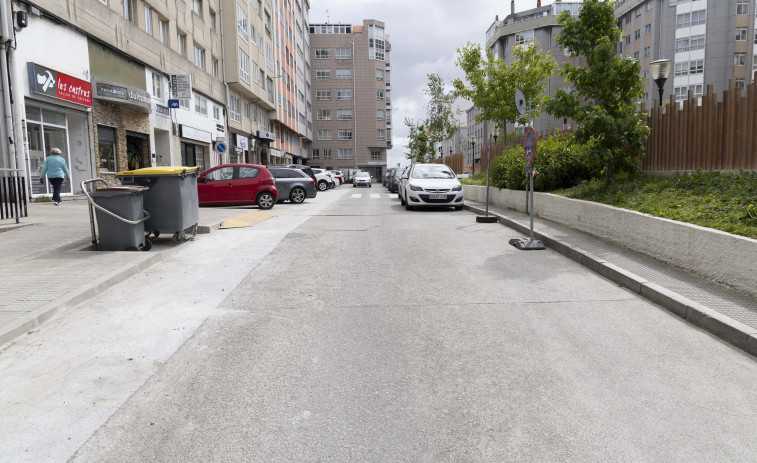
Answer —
(428, 185)
(230, 184)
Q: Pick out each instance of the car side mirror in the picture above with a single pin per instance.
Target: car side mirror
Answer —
(201, 179)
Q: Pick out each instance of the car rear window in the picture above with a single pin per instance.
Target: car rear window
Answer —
(248, 172)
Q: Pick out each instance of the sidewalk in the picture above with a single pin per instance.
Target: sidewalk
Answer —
(47, 262)
(724, 313)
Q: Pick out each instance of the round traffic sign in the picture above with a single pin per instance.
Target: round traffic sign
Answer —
(529, 144)
(220, 147)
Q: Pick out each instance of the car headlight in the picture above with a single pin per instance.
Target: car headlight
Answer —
(415, 188)
(458, 188)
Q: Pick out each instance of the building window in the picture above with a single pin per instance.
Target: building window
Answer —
(246, 107)
(343, 53)
(324, 134)
(215, 69)
(742, 8)
(741, 34)
(344, 134)
(344, 74)
(322, 74)
(181, 44)
(326, 153)
(128, 10)
(682, 45)
(316, 154)
(683, 20)
(380, 114)
(148, 20)
(648, 28)
(323, 95)
(698, 17)
(740, 83)
(344, 114)
(697, 42)
(345, 153)
(163, 26)
(522, 38)
(184, 103)
(647, 51)
(637, 34)
(344, 94)
(199, 57)
(754, 63)
(379, 94)
(201, 105)
(636, 55)
(649, 6)
(696, 67)
(212, 20)
(682, 69)
(269, 81)
(381, 134)
(216, 112)
(157, 91)
(197, 7)
(739, 59)
(242, 23)
(323, 114)
(268, 23)
(234, 108)
(323, 53)
(379, 74)
(628, 41)
(375, 154)
(244, 66)
(106, 148)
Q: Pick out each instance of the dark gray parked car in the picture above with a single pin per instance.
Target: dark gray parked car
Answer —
(394, 180)
(293, 184)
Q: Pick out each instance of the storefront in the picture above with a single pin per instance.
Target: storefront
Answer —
(195, 147)
(266, 154)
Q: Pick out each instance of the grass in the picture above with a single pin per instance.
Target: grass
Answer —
(476, 179)
(726, 202)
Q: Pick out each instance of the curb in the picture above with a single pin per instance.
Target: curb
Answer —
(37, 317)
(715, 323)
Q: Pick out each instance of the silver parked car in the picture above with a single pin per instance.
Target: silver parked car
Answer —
(293, 184)
(362, 179)
(433, 185)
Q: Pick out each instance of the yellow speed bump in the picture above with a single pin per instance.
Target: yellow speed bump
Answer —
(246, 220)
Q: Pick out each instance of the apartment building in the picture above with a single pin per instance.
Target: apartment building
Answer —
(710, 42)
(351, 71)
(99, 89)
(535, 25)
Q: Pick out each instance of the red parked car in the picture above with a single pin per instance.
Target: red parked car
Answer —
(237, 184)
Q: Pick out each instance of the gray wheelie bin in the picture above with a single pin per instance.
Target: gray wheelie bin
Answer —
(171, 199)
(120, 218)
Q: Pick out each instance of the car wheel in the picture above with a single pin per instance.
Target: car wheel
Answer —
(402, 201)
(323, 186)
(297, 195)
(458, 208)
(265, 200)
(354, 186)
(408, 207)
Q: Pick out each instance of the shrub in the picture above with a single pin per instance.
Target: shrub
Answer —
(560, 162)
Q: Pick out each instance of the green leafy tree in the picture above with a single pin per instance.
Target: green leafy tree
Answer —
(491, 83)
(441, 123)
(605, 90)
(420, 148)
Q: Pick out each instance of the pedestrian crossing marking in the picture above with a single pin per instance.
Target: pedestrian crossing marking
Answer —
(357, 195)
(374, 196)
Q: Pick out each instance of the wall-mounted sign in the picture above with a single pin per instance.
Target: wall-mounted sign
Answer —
(174, 104)
(181, 86)
(237, 151)
(161, 110)
(266, 135)
(195, 134)
(121, 94)
(242, 142)
(220, 128)
(46, 81)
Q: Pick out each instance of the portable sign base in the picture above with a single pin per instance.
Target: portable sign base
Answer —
(527, 244)
(486, 219)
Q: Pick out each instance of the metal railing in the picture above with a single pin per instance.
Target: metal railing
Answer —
(12, 194)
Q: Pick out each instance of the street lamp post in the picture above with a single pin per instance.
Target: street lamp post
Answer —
(472, 155)
(660, 71)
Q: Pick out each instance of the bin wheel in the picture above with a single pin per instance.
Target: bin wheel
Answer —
(132, 248)
(147, 246)
(156, 233)
(177, 238)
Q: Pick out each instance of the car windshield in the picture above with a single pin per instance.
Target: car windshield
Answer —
(362, 175)
(432, 172)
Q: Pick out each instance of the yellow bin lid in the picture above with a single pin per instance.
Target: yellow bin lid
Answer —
(159, 170)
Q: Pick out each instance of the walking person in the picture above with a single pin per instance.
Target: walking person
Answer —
(56, 170)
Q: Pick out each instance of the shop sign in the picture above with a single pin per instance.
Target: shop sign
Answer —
(46, 81)
(242, 142)
(195, 134)
(374, 163)
(121, 94)
(162, 110)
(220, 128)
(266, 135)
(237, 151)
(181, 86)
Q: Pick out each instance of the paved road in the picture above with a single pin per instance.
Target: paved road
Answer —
(369, 333)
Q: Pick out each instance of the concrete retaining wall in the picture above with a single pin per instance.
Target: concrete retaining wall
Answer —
(715, 255)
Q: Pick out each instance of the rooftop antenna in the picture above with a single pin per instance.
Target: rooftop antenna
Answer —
(327, 17)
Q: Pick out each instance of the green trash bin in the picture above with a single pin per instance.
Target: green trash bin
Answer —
(121, 225)
(171, 199)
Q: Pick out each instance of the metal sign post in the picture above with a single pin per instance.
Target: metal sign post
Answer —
(529, 152)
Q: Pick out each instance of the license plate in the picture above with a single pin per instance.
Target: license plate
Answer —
(437, 196)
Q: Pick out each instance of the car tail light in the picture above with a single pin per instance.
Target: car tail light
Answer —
(312, 182)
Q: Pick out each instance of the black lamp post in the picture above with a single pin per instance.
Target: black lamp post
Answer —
(472, 155)
(440, 151)
(660, 71)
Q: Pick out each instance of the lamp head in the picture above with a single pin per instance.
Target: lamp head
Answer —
(660, 69)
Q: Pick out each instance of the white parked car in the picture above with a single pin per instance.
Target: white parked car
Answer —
(362, 179)
(325, 180)
(430, 185)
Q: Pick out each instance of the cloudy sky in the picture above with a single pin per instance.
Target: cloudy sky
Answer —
(425, 36)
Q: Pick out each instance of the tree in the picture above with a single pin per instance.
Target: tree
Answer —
(420, 147)
(440, 123)
(603, 100)
(491, 83)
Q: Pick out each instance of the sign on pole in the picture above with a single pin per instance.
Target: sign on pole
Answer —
(221, 147)
(181, 86)
(529, 144)
(173, 104)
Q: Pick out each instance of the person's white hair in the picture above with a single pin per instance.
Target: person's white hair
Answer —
(56, 151)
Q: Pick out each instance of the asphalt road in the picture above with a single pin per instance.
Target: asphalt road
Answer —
(368, 333)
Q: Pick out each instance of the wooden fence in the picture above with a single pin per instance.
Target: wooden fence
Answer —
(715, 135)
(455, 162)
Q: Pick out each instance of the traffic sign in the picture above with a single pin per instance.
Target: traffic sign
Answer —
(221, 147)
(529, 144)
(173, 104)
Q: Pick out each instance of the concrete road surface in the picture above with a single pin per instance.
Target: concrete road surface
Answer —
(353, 330)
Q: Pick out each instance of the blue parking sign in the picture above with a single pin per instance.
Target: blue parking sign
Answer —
(173, 104)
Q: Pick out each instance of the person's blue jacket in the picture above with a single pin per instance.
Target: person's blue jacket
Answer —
(55, 167)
